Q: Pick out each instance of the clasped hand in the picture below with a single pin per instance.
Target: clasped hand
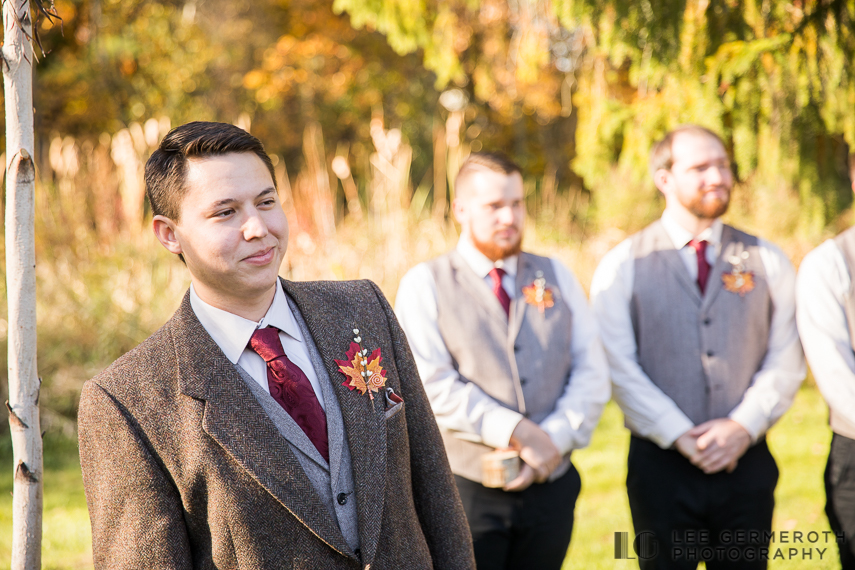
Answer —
(714, 445)
(539, 455)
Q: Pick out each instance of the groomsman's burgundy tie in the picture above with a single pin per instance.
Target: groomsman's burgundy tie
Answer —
(496, 275)
(291, 388)
(700, 248)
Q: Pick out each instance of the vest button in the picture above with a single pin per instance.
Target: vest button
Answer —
(523, 381)
(710, 353)
(516, 348)
(707, 321)
(342, 498)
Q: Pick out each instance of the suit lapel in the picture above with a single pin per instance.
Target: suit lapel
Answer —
(331, 327)
(238, 423)
(283, 421)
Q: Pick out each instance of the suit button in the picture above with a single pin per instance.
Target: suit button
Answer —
(710, 353)
(516, 348)
(523, 381)
(358, 553)
(707, 321)
(342, 498)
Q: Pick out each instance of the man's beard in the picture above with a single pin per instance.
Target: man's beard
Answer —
(708, 210)
(495, 252)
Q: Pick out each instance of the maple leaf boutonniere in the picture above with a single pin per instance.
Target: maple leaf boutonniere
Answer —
(537, 293)
(738, 280)
(363, 371)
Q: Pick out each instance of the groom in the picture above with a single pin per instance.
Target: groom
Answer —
(267, 424)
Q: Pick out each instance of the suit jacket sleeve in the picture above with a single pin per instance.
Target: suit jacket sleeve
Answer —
(136, 511)
(434, 491)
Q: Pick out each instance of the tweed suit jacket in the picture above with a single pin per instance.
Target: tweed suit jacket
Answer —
(184, 469)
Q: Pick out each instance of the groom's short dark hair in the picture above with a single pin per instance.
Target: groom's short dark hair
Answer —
(166, 169)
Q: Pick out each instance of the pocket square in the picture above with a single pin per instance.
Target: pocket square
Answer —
(394, 403)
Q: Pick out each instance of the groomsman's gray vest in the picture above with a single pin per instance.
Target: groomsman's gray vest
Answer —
(846, 243)
(702, 352)
(523, 363)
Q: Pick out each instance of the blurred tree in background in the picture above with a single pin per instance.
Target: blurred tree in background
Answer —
(368, 107)
(775, 78)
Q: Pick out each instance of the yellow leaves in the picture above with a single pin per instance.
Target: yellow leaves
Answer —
(254, 79)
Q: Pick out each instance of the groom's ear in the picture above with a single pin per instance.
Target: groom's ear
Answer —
(164, 231)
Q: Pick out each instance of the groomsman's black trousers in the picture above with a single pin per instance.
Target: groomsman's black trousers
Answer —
(526, 530)
(694, 516)
(840, 496)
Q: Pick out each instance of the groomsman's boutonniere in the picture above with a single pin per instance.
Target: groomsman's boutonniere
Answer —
(363, 372)
(537, 294)
(738, 280)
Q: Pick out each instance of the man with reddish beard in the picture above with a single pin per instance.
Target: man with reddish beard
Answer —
(697, 319)
(509, 355)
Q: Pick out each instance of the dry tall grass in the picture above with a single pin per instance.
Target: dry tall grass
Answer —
(104, 283)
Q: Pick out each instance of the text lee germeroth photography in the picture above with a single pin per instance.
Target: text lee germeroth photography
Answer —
(732, 546)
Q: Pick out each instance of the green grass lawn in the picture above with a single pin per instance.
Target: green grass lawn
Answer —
(799, 443)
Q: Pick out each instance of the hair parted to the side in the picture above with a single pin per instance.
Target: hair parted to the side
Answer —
(166, 169)
(661, 155)
(495, 161)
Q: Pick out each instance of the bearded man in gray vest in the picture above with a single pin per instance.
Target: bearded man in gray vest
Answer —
(825, 301)
(698, 322)
(269, 424)
(509, 355)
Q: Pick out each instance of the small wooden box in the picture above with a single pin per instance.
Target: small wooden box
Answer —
(500, 467)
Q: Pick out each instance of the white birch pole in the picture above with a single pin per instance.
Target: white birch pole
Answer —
(23, 404)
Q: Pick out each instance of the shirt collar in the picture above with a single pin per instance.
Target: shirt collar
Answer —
(680, 236)
(232, 332)
(480, 263)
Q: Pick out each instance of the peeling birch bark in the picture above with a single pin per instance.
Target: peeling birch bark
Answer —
(18, 57)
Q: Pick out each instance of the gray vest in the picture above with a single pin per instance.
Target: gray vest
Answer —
(523, 362)
(333, 481)
(846, 243)
(702, 352)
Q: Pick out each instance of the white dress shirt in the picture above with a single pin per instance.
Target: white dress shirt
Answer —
(649, 412)
(462, 406)
(821, 292)
(232, 334)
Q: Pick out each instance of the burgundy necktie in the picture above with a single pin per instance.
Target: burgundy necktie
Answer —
(496, 275)
(291, 388)
(700, 247)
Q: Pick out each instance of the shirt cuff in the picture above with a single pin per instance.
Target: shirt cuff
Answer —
(560, 433)
(754, 421)
(669, 428)
(497, 426)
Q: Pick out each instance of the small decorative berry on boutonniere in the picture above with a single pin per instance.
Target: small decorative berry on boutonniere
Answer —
(363, 371)
(537, 293)
(738, 280)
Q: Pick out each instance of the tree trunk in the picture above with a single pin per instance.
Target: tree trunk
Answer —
(23, 404)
